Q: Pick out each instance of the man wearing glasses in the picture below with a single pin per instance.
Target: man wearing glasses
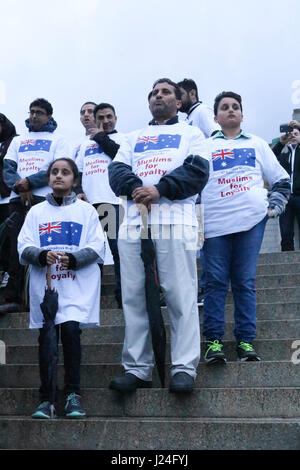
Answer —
(24, 172)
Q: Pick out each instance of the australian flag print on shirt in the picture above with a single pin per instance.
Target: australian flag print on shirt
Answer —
(30, 145)
(157, 142)
(60, 233)
(92, 150)
(225, 159)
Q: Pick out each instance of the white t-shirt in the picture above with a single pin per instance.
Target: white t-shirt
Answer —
(153, 152)
(33, 152)
(202, 116)
(234, 197)
(76, 148)
(92, 162)
(64, 228)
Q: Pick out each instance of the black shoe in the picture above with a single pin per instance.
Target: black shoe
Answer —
(246, 352)
(200, 300)
(214, 352)
(129, 383)
(182, 382)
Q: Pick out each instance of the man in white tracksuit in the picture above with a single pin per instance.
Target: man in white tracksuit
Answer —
(160, 167)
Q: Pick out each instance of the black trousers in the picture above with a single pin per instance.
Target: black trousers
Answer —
(286, 223)
(70, 338)
(5, 249)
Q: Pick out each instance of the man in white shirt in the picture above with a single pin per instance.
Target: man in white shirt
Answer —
(160, 167)
(87, 119)
(95, 154)
(24, 172)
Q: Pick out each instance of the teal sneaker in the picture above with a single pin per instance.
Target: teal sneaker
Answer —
(45, 410)
(246, 352)
(214, 352)
(73, 408)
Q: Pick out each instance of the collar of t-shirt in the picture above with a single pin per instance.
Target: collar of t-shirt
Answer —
(195, 105)
(220, 135)
(173, 120)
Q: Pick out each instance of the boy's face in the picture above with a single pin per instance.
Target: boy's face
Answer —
(229, 113)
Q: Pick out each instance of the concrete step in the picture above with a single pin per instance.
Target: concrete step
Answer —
(232, 374)
(115, 334)
(265, 295)
(269, 350)
(150, 433)
(263, 402)
(114, 316)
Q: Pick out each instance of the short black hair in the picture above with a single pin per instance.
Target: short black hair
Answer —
(226, 94)
(170, 82)
(188, 84)
(71, 162)
(44, 104)
(87, 102)
(104, 106)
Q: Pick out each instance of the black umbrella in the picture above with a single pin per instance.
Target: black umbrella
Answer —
(49, 347)
(152, 289)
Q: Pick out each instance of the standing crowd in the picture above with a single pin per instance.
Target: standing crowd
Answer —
(64, 199)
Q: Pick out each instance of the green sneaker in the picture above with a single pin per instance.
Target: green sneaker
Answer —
(246, 352)
(73, 408)
(214, 352)
(45, 410)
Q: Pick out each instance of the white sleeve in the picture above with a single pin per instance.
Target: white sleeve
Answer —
(12, 151)
(198, 145)
(271, 167)
(95, 235)
(125, 151)
(26, 235)
(204, 119)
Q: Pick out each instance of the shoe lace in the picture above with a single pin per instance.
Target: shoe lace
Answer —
(215, 345)
(246, 346)
(73, 399)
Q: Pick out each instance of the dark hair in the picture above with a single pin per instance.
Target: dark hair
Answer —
(104, 106)
(188, 85)
(87, 102)
(44, 104)
(149, 95)
(173, 84)
(72, 164)
(226, 94)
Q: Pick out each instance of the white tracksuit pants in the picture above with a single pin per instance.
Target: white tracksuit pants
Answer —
(177, 272)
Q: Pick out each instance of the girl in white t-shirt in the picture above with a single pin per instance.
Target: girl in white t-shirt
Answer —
(63, 232)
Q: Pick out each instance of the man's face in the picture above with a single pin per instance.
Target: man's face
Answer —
(163, 103)
(186, 101)
(38, 118)
(87, 116)
(107, 118)
(294, 137)
(229, 114)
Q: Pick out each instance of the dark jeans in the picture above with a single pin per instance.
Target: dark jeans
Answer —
(5, 248)
(286, 223)
(232, 257)
(109, 216)
(14, 288)
(70, 338)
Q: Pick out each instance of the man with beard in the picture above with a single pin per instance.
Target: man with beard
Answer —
(160, 168)
(24, 172)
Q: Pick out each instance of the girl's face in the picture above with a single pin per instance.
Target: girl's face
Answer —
(61, 178)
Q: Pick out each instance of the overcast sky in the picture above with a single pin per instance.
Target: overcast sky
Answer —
(73, 51)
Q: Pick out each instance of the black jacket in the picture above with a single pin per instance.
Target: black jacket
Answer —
(285, 160)
(8, 132)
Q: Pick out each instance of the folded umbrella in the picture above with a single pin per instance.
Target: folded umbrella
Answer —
(152, 290)
(49, 346)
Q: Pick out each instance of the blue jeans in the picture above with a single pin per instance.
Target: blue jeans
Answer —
(232, 257)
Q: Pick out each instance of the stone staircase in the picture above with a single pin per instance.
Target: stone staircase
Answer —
(236, 406)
